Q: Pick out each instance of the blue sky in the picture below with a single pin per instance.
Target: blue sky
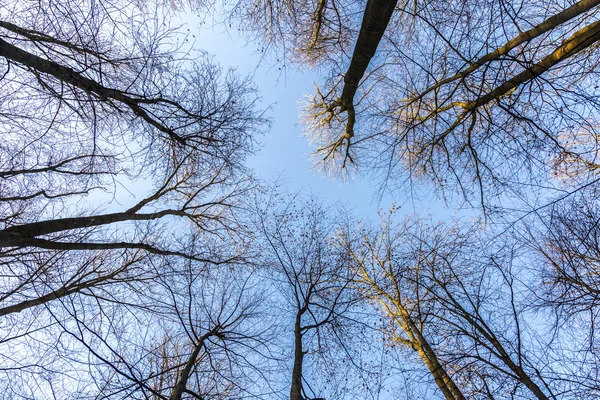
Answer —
(285, 154)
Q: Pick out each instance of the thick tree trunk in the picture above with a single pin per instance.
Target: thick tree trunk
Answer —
(375, 20)
(560, 18)
(441, 377)
(23, 235)
(14, 235)
(181, 386)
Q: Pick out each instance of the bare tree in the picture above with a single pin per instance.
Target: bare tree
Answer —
(91, 100)
(566, 249)
(187, 333)
(480, 98)
(465, 307)
(313, 274)
(382, 271)
(570, 250)
(97, 100)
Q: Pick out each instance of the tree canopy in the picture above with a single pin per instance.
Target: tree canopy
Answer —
(476, 98)
(203, 282)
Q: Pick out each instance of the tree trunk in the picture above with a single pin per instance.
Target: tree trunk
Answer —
(296, 388)
(184, 376)
(76, 79)
(580, 40)
(375, 20)
(441, 377)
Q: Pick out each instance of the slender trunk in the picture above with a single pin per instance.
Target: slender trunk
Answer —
(56, 294)
(580, 40)
(76, 79)
(503, 355)
(24, 305)
(21, 235)
(296, 388)
(488, 335)
(521, 374)
(184, 376)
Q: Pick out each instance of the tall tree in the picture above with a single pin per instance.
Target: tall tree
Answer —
(312, 272)
(91, 101)
(187, 332)
(500, 94)
(567, 247)
(464, 307)
(383, 272)
(99, 102)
